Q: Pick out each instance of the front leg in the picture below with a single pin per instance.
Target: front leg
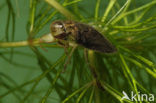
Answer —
(65, 45)
(69, 57)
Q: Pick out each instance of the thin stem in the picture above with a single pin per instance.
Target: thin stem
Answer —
(133, 11)
(117, 13)
(32, 13)
(48, 38)
(111, 3)
(18, 44)
(61, 9)
(97, 9)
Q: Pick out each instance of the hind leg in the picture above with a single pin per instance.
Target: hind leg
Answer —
(93, 70)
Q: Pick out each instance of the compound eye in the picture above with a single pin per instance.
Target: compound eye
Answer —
(56, 25)
(57, 28)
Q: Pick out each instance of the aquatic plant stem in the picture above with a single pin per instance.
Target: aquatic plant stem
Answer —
(61, 9)
(48, 38)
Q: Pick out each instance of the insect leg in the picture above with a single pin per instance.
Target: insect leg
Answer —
(64, 45)
(69, 57)
(93, 70)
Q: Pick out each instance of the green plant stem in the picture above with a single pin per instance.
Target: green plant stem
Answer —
(111, 3)
(77, 91)
(44, 99)
(19, 44)
(91, 61)
(133, 11)
(61, 9)
(97, 9)
(114, 17)
(32, 13)
(48, 38)
(91, 96)
(37, 78)
(114, 92)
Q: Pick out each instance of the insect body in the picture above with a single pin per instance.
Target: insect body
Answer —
(81, 34)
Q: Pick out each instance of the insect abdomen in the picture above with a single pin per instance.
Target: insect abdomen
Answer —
(92, 39)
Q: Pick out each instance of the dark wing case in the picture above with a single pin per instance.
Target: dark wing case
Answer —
(90, 38)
